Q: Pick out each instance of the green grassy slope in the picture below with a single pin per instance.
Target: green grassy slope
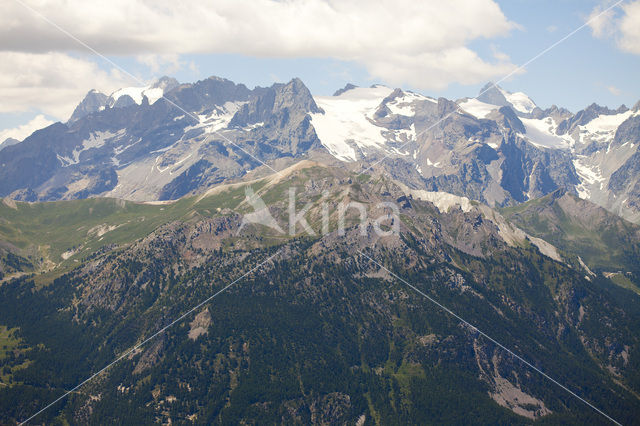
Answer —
(605, 242)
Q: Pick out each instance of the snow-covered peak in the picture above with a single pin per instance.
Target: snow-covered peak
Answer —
(542, 133)
(349, 125)
(519, 100)
(346, 122)
(478, 108)
(539, 132)
(492, 97)
(608, 122)
(374, 93)
(153, 91)
(137, 93)
(603, 127)
(493, 94)
(404, 104)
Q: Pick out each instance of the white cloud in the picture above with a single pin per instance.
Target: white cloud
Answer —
(421, 43)
(53, 83)
(630, 28)
(21, 132)
(621, 24)
(614, 90)
(601, 22)
(168, 63)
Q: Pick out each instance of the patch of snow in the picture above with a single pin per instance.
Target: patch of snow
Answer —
(218, 119)
(153, 94)
(254, 126)
(134, 92)
(347, 120)
(397, 151)
(478, 108)
(583, 191)
(65, 161)
(511, 234)
(607, 123)
(542, 133)
(602, 128)
(436, 164)
(96, 140)
(588, 174)
(520, 101)
(405, 105)
(591, 177)
(137, 93)
(404, 135)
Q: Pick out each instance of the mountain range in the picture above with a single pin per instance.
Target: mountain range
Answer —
(499, 148)
(117, 223)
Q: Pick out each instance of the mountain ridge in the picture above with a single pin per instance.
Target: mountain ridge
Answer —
(497, 154)
(350, 331)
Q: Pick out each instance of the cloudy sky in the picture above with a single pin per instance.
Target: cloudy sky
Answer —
(53, 51)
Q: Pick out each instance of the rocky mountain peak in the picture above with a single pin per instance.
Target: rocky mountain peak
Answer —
(491, 94)
(446, 106)
(522, 104)
(559, 114)
(277, 103)
(92, 102)
(8, 142)
(165, 83)
(346, 88)
(295, 95)
(397, 93)
(583, 117)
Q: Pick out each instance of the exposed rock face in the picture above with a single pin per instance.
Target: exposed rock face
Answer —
(507, 118)
(625, 182)
(499, 149)
(585, 116)
(491, 94)
(528, 172)
(346, 88)
(126, 147)
(628, 132)
(8, 142)
(94, 101)
(295, 338)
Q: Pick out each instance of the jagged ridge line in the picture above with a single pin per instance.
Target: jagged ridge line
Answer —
(56, 26)
(518, 68)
